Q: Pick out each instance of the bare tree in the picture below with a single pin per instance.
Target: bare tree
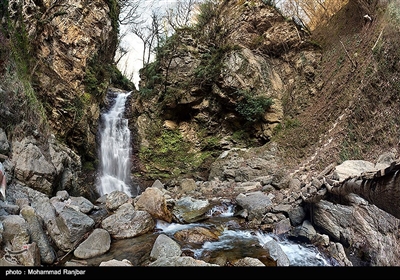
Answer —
(130, 11)
(149, 33)
(130, 15)
(151, 28)
(181, 15)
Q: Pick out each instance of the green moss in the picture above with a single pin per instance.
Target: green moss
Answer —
(210, 143)
(169, 155)
(240, 136)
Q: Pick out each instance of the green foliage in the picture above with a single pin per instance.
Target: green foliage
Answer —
(89, 166)
(78, 106)
(288, 123)
(120, 81)
(114, 13)
(167, 47)
(207, 12)
(100, 71)
(152, 78)
(20, 52)
(209, 67)
(349, 147)
(251, 107)
(240, 135)
(291, 123)
(349, 151)
(21, 49)
(243, 137)
(210, 27)
(3, 8)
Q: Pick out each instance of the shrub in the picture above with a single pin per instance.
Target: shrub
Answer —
(251, 107)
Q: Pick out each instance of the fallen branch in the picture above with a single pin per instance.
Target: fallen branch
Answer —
(352, 62)
(377, 40)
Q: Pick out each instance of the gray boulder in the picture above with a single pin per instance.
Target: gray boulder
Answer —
(126, 222)
(98, 243)
(165, 246)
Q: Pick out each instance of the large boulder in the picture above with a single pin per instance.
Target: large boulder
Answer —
(126, 222)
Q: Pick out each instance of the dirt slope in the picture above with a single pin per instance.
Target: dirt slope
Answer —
(355, 114)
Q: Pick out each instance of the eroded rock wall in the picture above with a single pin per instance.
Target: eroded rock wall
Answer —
(66, 36)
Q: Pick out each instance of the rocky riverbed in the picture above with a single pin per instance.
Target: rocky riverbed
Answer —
(65, 230)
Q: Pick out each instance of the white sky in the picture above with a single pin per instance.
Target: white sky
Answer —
(131, 63)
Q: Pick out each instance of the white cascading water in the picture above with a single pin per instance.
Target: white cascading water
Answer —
(115, 149)
(298, 254)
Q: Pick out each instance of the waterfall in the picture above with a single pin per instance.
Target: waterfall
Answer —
(115, 150)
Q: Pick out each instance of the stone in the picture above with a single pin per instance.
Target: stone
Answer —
(98, 243)
(164, 246)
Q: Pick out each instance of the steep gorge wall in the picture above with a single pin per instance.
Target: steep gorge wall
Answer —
(56, 63)
(68, 39)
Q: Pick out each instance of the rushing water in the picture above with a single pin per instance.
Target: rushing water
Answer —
(115, 150)
(239, 243)
(233, 243)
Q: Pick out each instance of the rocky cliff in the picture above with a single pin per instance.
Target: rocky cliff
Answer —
(62, 45)
(246, 76)
(243, 77)
(221, 84)
(354, 113)
(56, 64)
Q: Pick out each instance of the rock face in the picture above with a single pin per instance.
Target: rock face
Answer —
(352, 232)
(127, 222)
(66, 37)
(50, 109)
(41, 171)
(222, 89)
(96, 244)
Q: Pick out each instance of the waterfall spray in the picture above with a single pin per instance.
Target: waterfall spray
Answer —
(115, 150)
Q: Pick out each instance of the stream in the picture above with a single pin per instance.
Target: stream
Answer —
(233, 243)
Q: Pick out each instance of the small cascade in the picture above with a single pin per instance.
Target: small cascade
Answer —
(235, 243)
(115, 149)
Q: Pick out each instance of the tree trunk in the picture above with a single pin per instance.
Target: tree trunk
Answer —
(382, 191)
